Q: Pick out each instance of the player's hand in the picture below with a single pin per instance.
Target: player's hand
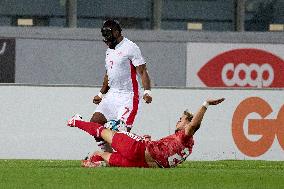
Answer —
(147, 98)
(215, 101)
(97, 99)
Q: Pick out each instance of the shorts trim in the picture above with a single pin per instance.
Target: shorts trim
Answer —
(135, 104)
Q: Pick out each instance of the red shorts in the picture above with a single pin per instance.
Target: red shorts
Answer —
(130, 150)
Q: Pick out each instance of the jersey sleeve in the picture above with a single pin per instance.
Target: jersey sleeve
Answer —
(136, 56)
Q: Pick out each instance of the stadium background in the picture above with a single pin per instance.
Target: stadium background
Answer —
(52, 62)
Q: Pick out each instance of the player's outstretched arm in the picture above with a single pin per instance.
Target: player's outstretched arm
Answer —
(194, 125)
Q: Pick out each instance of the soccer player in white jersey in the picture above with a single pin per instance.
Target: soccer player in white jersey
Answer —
(119, 97)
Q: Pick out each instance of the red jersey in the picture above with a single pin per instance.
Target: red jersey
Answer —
(171, 150)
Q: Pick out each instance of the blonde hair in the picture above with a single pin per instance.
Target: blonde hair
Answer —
(188, 115)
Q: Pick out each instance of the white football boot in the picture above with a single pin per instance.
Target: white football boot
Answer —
(72, 121)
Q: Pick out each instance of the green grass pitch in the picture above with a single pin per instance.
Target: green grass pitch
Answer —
(191, 174)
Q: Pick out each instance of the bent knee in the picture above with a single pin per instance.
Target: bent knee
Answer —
(98, 118)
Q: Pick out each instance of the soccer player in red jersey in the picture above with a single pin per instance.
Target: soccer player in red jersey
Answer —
(135, 151)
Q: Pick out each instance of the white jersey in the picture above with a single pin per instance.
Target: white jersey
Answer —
(120, 66)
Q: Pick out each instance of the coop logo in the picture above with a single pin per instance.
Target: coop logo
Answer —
(253, 75)
(266, 129)
(243, 68)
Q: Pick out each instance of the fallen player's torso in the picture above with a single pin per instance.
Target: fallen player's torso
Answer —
(171, 150)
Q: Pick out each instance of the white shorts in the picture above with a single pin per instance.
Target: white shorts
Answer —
(120, 106)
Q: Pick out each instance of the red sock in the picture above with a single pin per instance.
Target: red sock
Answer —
(92, 128)
(96, 158)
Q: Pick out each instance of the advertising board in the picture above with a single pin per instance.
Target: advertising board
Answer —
(235, 65)
(249, 124)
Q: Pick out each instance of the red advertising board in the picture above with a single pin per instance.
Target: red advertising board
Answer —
(238, 67)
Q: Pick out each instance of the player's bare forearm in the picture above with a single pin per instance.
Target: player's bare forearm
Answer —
(146, 81)
(198, 116)
(104, 89)
(105, 86)
(196, 121)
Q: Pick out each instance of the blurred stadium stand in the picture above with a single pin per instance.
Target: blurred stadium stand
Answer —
(58, 37)
(213, 15)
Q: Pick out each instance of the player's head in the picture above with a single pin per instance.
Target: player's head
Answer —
(184, 120)
(111, 31)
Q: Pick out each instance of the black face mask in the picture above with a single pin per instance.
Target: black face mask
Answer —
(108, 37)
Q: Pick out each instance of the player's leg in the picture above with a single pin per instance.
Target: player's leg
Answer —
(98, 117)
(114, 159)
(105, 111)
(129, 110)
(94, 129)
(127, 144)
(104, 155)
(131, 147)
(95, 160)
